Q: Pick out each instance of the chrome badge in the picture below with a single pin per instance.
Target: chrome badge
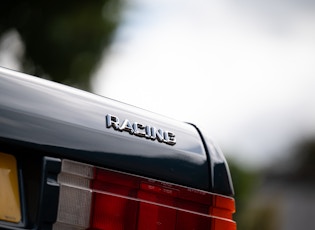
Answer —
(140, 130)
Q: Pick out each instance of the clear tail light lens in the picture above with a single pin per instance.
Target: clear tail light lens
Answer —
(99, 199)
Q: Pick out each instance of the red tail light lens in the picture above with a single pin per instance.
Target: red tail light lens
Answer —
(123, 201)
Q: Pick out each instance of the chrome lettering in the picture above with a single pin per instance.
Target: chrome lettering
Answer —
(148, 132)
(170, 137)
(126, 126)
(112, 121)
(157, 134)
(140, 130)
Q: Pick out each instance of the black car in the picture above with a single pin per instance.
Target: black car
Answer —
(70, 159)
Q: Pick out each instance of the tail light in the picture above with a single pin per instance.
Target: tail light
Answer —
(96, 198)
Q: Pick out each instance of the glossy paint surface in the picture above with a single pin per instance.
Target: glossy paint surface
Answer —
(69, 123)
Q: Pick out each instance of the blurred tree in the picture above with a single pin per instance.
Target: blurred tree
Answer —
(264, 199)
(304, 161)
(296, 166)
(244, 182)
(62, 39)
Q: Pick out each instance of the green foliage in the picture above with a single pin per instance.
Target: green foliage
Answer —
(303, 160)
(244, 182)
(62, 39)
(261, 196)
(263, 218)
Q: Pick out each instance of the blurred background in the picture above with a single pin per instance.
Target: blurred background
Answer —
(243, 71)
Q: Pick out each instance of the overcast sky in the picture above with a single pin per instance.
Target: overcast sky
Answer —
(244, 71)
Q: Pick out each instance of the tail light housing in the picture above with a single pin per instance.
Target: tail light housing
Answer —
(97, 198)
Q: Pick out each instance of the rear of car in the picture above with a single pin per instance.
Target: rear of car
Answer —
(73, 160)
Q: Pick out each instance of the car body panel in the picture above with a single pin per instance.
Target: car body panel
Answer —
(70, 123)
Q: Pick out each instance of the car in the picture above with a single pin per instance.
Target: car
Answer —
(70, 159)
